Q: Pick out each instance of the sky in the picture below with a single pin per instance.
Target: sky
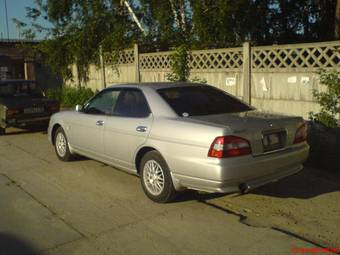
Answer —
(15, 9)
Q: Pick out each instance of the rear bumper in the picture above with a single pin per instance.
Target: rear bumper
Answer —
(247, 173)
(22, 122)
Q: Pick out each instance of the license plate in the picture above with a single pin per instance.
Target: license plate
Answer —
(273, 141)
(34, 110)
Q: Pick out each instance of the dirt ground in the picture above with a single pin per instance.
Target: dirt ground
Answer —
(306, 205)
(86, 207)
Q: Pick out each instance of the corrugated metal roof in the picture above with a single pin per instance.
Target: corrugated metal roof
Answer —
(18, 41)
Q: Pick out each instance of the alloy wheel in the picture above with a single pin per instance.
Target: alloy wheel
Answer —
(153, 177)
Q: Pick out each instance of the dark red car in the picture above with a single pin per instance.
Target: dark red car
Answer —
(24, 105)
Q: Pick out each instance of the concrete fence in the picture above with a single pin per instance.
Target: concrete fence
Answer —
(277, 78)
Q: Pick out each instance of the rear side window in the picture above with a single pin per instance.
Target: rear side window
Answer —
(131, 103)
(198, 100)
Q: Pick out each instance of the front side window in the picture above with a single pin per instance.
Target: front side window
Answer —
(103, 103)
(132, 103)
(198, 100)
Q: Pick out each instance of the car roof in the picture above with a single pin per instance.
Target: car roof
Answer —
(14, 81)
(155, 85)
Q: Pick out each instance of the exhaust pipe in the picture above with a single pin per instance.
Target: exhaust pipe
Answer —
(244, 188)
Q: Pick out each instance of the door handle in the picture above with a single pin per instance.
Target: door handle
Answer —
(100, 123)
(141, 129)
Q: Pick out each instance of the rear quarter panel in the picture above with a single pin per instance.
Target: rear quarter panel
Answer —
(185, 144)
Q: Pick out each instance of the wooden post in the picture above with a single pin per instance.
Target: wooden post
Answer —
(29, 69)
(247, 72)
(136, 56)
(102, 67)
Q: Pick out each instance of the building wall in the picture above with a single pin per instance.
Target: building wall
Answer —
(15, 64)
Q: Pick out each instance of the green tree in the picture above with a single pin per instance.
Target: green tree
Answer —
(167, 22)
(79, 29)
(296, 21)
(329, 100)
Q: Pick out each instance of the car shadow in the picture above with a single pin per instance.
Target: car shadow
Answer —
(191, 195)
(306, 184)
(78, 158)
(13, 245)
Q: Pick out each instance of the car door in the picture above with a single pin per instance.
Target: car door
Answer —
(88, 127)
(127, 129)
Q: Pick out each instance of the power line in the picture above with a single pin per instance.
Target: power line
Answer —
(6, 19)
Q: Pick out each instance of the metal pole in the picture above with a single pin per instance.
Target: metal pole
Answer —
(6, 19)
(337, 20)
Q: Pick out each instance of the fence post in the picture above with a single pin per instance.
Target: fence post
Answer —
(247, 72)
(102, 67)
(136, 57)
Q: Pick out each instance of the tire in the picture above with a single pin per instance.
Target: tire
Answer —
(2, 131)
(156, 179)
(61, 145)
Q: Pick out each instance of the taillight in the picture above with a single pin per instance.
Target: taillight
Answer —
(301, 133)
(11, 112)
(229, 146)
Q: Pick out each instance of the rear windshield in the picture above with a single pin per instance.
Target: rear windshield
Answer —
(198, 100)
(20, 89)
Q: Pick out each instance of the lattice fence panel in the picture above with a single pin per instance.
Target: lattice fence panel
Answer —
(121, 58)
(157, 60)
(217, 59)
(205, 59)
(303, 56)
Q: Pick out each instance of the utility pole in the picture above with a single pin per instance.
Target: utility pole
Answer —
(6, 19)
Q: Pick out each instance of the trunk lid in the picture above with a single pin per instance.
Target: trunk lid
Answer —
(266, 132)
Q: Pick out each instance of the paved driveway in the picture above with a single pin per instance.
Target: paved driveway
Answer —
(86, 207)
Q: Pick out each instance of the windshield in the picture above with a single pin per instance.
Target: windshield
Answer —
(22, 88)
(198, 100)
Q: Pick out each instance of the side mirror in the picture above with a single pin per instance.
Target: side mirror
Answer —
(79, 108)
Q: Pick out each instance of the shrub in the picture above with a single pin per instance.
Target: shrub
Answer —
(329, 100)
(54, 94)
(180, 64)
(70, 96)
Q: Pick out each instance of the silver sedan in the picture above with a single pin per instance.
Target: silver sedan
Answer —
(179, 136)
